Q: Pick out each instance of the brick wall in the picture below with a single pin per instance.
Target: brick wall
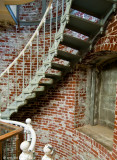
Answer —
(114, 153)
(57, 114)
(53, 120)
(109, 41)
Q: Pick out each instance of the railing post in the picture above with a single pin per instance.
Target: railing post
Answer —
(44, 36)
(49, 152)
(30, 61)
(17, 146)
(19, 140)
(28, 122)
(56, 16)
(8, 87)
(63, 7)
(16, 79)
(0, 150)
(51, 26)
(6, 149)
(25, 153)
(12, 148)
(23, 70)
(37, 50)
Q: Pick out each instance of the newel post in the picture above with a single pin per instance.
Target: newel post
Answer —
(49, 152)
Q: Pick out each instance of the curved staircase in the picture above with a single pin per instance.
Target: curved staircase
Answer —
(42, 80)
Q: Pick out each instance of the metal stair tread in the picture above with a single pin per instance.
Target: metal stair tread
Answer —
(66, 56)
(83, 26)
(11, 107)
(39, 89)
(59, 67)
(19, 99)
(28, 89)
(33, 95)
(97, 8)
(75, 43)
(53, 76)
(21, 103)
(46, 83)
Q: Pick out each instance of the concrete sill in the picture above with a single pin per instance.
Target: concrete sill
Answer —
(101, 134)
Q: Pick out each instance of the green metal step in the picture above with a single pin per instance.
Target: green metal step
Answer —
(33, 95)
(67, 56)
(83, 26)
(46, 82)
(60, 67)
(39, 89)
(53, 76)
(97, 8)
(75, 43)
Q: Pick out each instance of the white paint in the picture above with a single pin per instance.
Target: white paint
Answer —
(49, 152)
(25, 155)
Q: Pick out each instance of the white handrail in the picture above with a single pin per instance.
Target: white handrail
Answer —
(30, 41)
(27, 128)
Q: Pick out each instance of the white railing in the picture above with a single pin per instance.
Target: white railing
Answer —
(30, 137)
(18, 75)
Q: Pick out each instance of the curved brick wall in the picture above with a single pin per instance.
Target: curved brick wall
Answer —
(109, 41)
(55, 115)
(53, 119)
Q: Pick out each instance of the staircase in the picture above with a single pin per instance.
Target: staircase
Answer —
(19, 94)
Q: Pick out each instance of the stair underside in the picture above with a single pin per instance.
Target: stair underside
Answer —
(96, 8)
(67, 56)
(83, 26)
(75, 43)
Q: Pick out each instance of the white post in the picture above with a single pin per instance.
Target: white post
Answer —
(25, 155)
(28, 121)
(49, 152)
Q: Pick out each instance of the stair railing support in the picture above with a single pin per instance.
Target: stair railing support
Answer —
(30, 61)
(44, 37)
(37, 50)
(23, 70)
(8, 87)
(16, 79)
(51, 26)
(63, 7)
(56, 16)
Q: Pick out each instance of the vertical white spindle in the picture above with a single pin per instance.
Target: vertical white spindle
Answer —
(23, 69)
(63, 7)
(51, 26)
(56, 16)
(15, 79)
(44, 36)
(8, 87)
(37, 50)
(30, 61)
